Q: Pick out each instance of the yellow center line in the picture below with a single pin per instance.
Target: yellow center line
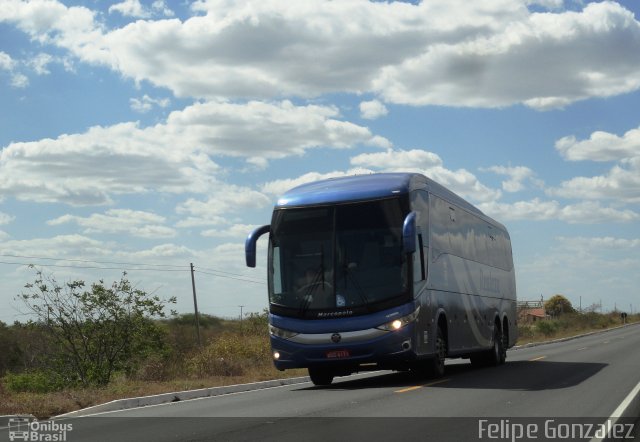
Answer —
(404, 390)
(416, 387)
(537, 359)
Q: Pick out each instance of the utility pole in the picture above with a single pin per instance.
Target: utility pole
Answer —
(195, 305)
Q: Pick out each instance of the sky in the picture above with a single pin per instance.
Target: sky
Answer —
(142, 136)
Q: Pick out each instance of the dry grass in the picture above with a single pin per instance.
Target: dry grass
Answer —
(45, 405)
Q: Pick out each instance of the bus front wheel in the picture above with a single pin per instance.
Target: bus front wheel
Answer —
(436, 364)
(320, 376)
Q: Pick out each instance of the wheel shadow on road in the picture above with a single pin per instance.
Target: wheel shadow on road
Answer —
(515, 375)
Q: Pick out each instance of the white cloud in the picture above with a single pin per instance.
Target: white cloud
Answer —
(428, 163)
(223, 203)
(174, 157)
(39, 63)
(160, 6)
(9, 65)
(543, 60)
(62, 246)
(517, 177)
(5, 219)
(460, 181)
(601, 146)
(278, 187)
(130, 8)
(371, 110)
(120, 221)
(590, 267)
(19, 81)
(88, 168)
(146, 103)
(550, 4)
(135, 9)
(621, 182)
(234, 231)
(587, 212)
(447, 52)
(607, 242)
(267, 130)
(6, 62)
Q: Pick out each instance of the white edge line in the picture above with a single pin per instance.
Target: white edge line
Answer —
(620, 411)
(231, 393)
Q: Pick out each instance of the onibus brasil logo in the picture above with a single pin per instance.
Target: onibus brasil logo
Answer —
(31, 429)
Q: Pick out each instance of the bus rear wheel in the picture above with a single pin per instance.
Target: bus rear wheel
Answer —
(495, 356)
(320, 376)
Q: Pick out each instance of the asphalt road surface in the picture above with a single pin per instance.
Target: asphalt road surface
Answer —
(554, 390)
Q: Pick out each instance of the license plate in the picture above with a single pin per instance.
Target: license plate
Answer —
(336, 354)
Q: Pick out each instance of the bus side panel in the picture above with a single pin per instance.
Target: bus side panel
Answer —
(474, 292)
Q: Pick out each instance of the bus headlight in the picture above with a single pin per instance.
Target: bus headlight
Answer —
(280, 332)
(397, 324)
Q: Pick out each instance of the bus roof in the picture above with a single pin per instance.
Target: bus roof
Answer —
(366, 187)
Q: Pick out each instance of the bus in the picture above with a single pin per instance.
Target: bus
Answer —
(388, 271)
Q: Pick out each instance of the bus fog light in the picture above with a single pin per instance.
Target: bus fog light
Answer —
(276, 355)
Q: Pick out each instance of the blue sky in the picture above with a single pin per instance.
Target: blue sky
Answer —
(146, 135)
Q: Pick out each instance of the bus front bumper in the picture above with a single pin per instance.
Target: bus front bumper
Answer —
(349, 350)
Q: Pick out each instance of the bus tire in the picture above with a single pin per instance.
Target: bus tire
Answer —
(320, 376)
(495, 356)
(436, 364)
(499, 353)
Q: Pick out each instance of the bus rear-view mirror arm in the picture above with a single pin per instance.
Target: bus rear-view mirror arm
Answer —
(250, 244)
(409, 233)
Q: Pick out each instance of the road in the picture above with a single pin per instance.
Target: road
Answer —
(581, 381)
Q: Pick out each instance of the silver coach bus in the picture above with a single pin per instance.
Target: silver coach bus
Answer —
(385, 271)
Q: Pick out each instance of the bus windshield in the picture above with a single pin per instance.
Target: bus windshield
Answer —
(346, 256)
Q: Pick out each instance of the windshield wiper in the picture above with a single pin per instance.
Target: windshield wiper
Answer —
(348, 273)
(311, 287)
(318, 278)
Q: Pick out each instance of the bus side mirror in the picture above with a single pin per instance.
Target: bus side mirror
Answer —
(250, 244)
(409, 233)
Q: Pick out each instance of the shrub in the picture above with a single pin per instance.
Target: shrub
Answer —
(98, 332)
(34, 382)
(230, 355)
(547, 327)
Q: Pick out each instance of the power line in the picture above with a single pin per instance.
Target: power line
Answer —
(231, 277)
(160, 267)
(91, 267)
(223, 271)
(95, 262)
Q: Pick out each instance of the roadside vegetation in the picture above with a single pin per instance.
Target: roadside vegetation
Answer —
(563, 320)
(88, 345)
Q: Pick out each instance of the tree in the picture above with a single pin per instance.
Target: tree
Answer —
(96, 332)
(558, 305)
(9, 349)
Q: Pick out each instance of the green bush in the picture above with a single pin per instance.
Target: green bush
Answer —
(547, 327)
(34, 382)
